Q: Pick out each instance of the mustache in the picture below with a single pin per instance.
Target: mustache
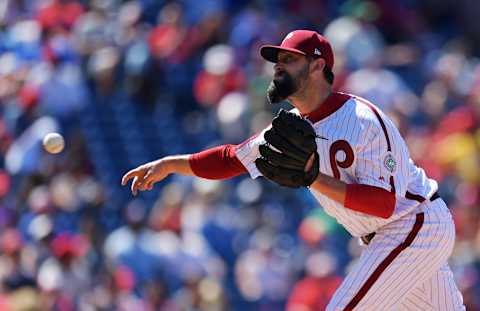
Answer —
(279, 73)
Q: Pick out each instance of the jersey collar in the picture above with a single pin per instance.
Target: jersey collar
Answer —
(333, 102)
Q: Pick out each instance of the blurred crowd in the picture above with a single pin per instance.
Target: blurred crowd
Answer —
(130, 81)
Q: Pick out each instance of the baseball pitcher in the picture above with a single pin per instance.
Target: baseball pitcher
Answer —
(356, 164)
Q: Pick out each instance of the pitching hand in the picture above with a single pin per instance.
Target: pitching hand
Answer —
(146, 175)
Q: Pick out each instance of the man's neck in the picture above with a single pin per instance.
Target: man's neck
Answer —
(311, 98)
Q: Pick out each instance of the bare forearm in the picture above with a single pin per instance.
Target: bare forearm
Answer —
(178, 164)
(331, 187)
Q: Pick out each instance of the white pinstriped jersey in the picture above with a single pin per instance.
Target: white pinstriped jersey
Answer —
(359, 144)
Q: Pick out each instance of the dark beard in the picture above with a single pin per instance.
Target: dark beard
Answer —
(280, 88)
(286, 85)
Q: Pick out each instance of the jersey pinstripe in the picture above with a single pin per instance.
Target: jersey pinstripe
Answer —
(405, 265)
(416, 277)
(380, 158)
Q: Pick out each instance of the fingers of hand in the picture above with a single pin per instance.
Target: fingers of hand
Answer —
(147, 180)
(136, 183)
(142, 185)
(149, 185)
(148, 176)
(138, 176)
(143, 179)
(129, 175)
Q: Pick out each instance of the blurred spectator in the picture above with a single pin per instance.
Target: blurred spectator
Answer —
(314, 291)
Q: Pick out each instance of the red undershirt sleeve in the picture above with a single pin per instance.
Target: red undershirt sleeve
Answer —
(216, 163)
(370, 200)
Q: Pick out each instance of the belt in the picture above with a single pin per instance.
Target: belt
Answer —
(368, 237)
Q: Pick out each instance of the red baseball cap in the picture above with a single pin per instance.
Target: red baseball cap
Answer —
(305, 42)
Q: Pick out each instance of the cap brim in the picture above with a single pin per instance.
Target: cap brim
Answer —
(270, 52)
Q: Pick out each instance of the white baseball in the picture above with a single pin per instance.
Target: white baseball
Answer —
(53, 143)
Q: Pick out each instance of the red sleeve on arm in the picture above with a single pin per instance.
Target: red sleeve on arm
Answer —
(216, 163)
(370, 200)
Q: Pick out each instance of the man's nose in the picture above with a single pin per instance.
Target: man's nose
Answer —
(277, 67)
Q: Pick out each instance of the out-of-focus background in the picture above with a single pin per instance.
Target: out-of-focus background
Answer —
(127, 82)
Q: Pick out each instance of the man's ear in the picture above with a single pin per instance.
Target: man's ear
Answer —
(317, 65)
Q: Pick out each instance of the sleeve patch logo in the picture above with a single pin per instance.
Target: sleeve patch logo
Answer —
(390, 163)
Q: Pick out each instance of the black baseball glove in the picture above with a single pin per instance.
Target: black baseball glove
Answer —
(294, 137)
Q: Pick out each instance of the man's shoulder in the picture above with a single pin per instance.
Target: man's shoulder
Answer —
(365, 110)
(356, 104)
